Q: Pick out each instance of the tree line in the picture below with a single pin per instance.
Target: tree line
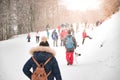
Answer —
(23, 16)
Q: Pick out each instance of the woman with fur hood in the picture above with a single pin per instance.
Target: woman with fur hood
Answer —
(41, 54)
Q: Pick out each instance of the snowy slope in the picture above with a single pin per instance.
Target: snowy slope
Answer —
(96, 63)
(106, 34)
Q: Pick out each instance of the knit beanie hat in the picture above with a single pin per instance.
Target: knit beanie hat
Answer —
(44, 41)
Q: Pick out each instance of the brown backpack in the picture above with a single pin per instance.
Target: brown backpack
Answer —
(39, 73)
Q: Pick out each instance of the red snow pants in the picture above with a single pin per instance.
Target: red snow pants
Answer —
(69, 57)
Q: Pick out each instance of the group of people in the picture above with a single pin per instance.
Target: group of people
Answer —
(60, 33)
(43, 52)
(37, 37)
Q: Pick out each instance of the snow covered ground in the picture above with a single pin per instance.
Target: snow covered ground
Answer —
(96, 63)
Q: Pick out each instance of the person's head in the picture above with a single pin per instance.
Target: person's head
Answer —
(69, 32)
(84, 30)
(54, 30)
(44, 41)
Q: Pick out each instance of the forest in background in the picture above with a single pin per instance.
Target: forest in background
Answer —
(23, 16)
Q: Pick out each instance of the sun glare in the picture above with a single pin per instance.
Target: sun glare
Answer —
(81, 5)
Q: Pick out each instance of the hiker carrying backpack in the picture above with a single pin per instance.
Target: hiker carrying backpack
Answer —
(39, 73)
(70, 45)
(42, 54)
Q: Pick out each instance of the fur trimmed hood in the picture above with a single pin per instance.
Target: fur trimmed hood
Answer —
(42, 48)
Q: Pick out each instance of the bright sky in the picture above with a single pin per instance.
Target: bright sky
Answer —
(81, 5)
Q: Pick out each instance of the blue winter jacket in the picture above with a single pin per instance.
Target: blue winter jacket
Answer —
(54, 35)
(41, 54)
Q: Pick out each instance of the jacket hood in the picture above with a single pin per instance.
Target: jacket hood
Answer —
(42, 48)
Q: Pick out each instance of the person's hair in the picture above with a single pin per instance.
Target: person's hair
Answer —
(69, 32)
(44, 43)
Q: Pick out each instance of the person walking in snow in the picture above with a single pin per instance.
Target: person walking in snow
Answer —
(55, 38)
(72, 30)
(42, 53)
(70, 45)
(61, 37)
(37, 36)
(84, 35)
(63, 34)
(59, 28)
(48, 33)
(28, 37)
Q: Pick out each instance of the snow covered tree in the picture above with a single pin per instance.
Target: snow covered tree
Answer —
(109, 7)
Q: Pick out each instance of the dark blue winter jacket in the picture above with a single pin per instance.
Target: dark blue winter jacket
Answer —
(54, 35)
(41, 54)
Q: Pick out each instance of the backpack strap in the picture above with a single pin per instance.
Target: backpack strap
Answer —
(35, 61)
(47, 61)
(49, 73)
(38, 63)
